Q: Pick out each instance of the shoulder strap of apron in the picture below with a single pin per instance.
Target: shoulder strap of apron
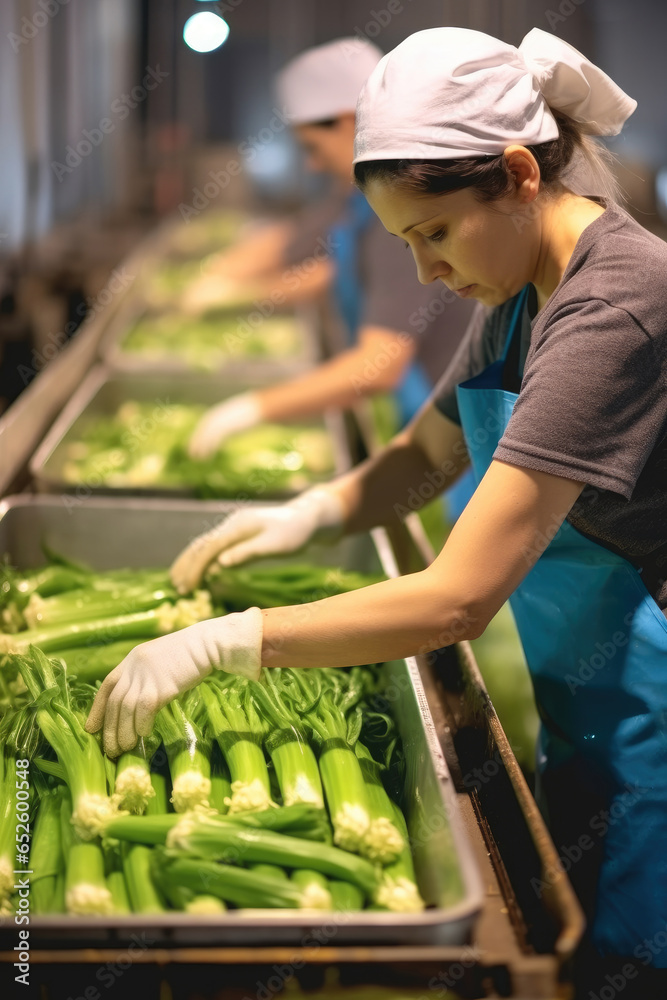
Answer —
(511, 356)
(347, 285)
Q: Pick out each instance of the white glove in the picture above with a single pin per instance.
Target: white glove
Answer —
(155, 672)
(234, 415)
(260, 531)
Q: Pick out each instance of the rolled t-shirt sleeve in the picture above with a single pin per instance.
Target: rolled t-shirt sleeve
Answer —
(593, 403)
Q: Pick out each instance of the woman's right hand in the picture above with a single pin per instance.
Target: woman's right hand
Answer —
(259, 531)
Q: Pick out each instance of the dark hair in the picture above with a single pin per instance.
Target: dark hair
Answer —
(489, 175)
(325, 123)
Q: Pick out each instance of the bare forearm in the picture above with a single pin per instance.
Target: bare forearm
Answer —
(382, 489)
(397, 618)
(297, 283)
(375, 364)
(257, 254)
(330, 385)
(494, 544)
(405, 475)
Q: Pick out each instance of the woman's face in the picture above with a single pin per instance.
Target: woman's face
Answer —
(482, 250)
(329, 149)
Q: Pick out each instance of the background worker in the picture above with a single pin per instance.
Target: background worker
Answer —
(400, 335)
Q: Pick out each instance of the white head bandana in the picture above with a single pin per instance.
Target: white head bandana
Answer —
(324, 82)
(448, 93)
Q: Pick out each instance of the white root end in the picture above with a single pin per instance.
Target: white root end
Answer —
(179, 835)
(350, 825)
(85, 899)
(133, 789)
(190, 790)
(92, 814)
(6, 878)
(382, 842)
(186, 611)
(302, 792)
(33, 611)
(400, 895)
(8, 644)
(316, 897)
(249, 797)
(205, 906)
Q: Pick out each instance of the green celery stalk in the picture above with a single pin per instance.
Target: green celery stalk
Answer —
(241, 588)
(47, 860)
(188, 753)
(239, 732)
(212, 838)
(16, 589)
(345, 897)
(132, 785)
(221, 784)
(7, 828)
(336, 721)
(279, 700)
(299, 820)
(59, 893)
(218, 837)
(141, 888)
(141, 625)
(240, 886)
(117, 887)
(157, 804)
(315, 888)
(346, 796)
(150, 829)
(382, 841)
(86, 891)
(275, 871)
(78, 752)
(303, 822)
(398, 890)
(177, 897)
(93, 663)
(85, 604)
(19, 738)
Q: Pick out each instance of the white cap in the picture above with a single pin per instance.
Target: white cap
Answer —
(325, 81)
(448, 93)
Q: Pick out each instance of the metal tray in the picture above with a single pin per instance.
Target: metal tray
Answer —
(102, 391)
(109, 533)
(113, 355)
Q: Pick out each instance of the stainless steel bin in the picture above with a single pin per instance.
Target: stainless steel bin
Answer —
(103, 391)
(107, 533)
(307, 354)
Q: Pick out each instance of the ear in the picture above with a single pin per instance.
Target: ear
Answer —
(525, 170)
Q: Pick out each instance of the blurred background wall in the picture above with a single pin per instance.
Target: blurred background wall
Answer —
(109, 121)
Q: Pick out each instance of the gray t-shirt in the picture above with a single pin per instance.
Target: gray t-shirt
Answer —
(436, 318)
(592, 404)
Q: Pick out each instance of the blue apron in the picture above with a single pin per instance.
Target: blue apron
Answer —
(345, 237)
(596, 645)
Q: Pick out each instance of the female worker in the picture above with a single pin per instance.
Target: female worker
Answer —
(399, 337)
(473, 152)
